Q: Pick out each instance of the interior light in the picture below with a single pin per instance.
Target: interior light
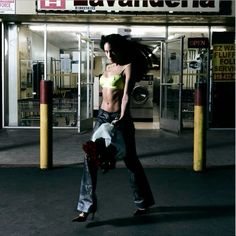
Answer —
(58, 28)
(218, 29)
(155, 49)
(136, 30)
(6, 46)
(171, 37)
(103, 30)
(143, 30)
(193, 29)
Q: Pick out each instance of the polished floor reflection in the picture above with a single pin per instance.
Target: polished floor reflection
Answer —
(155, 124)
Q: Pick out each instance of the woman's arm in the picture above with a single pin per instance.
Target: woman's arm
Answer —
(127, 90)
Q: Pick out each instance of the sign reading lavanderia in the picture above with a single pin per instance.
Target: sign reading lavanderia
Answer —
(129, 5)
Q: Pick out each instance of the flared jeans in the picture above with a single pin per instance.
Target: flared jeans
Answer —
(142, 194)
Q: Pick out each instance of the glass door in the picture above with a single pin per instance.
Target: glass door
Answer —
(85, 84)
(171, 85)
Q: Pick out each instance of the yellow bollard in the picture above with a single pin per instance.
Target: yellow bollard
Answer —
(199, 149)
(45, 124)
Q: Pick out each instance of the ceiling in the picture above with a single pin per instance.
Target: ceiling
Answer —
(65, 36)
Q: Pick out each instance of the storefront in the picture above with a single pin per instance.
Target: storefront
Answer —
(59, 41)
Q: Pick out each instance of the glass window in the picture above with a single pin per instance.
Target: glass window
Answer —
(195, 64)
(25, 56)
(24, 69)
(25, 63)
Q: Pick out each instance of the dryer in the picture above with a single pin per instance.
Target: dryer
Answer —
(141, 104)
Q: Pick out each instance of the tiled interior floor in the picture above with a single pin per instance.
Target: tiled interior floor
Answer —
(147, 125)
(150, 125)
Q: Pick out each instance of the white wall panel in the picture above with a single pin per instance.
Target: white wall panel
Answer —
(13, 75)
(25, 7)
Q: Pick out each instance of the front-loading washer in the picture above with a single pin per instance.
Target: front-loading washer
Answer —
(141, 104)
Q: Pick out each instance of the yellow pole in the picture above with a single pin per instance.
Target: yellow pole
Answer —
(45, 124)
(199, 149)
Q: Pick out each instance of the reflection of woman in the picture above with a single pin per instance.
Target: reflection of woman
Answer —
(128, 61)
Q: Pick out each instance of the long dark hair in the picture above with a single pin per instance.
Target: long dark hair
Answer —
(129, 51)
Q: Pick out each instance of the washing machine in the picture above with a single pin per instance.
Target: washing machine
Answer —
(141, 104)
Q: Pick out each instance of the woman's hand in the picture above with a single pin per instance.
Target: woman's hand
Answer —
(117, 121)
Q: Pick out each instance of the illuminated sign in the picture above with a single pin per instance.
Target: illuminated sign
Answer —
(129, 5)
(198, 43)
(7, 7)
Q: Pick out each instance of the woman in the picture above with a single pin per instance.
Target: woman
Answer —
(128, 62)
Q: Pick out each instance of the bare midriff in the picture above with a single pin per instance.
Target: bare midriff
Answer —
(111, 99)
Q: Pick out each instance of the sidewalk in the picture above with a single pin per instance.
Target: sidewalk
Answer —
(38, 202)
(156, 148)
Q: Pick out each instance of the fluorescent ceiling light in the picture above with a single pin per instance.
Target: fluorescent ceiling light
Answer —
(144, 30)
(58, 28)
(192, 29)
(218, 29)
(135, 30)
(105, 30)
(6, 46)
(99, 29)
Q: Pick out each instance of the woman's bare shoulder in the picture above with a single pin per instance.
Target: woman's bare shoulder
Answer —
(127, 66)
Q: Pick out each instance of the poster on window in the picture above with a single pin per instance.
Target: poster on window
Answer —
(223, 56)
(7, 6)
(223, 62)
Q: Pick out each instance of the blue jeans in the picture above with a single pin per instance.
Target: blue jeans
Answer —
(142, 194)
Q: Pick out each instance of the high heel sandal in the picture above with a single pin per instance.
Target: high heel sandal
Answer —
(82, 217)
